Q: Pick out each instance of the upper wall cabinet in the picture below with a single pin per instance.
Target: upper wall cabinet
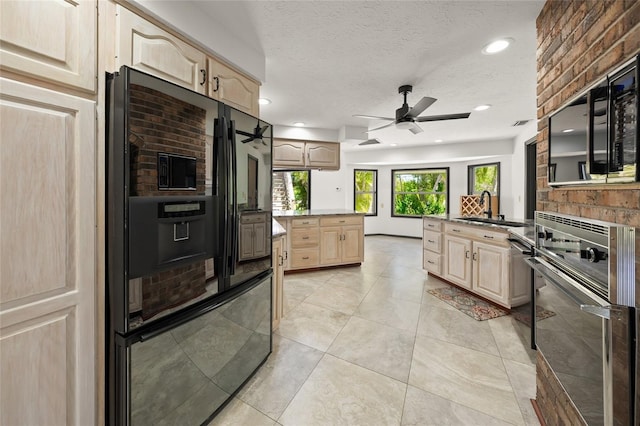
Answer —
(145, 46)
(50, 40)
(232, 88)
(288, 153)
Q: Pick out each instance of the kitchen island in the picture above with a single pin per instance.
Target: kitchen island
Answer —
(475, 254)
(322, 238)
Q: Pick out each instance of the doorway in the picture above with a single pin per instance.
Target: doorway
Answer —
(530, 178)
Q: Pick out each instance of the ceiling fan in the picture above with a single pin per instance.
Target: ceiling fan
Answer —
(407, 117)
(257, 134)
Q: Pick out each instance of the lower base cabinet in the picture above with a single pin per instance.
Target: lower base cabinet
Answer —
(277, 292)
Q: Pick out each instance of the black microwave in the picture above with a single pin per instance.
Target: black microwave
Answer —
(594, 138)
(176, 172)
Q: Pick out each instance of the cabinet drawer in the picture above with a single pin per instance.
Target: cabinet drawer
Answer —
(432, 224)
(488, 235)
(307, 222)
(303, 237)
(304, 258)
(432, 262)
(253, 218)
(340, 220)
(457, 229)
(432, 241)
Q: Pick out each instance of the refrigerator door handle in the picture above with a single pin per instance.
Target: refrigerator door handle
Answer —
(234, 228)
(223, 185)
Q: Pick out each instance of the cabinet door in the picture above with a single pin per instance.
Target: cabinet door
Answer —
(352, 244)
(322, 155)
(232, 88)
(288, 153)
(52, 40)
(259, 239)
(330, 242)
(48, 257)
(246, 241)
(458, 260)
(277, 292)
(144, 46)
(491, 272)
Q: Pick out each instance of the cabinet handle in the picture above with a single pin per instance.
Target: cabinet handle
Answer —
(342, 221)
(305, 258)
(280, 260)
(455, 230)
(431, 226)
(305, 223)
(305, 238)
(489, 237)
(466, 254)
(204, 76)
(429, 261)
(475, 256)
(286, 255)
(431, 241)
(217, 80)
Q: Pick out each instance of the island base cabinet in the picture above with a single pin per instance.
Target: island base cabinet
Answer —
(491, 272)
(458, 261)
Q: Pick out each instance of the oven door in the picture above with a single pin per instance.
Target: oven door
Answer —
(586, 345)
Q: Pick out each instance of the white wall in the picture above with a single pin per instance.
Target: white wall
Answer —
(518, 174)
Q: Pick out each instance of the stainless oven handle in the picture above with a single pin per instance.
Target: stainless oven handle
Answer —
(606, 312)
(574, 290)
(520, 247)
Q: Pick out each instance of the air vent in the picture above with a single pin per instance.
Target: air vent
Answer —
(369, 142)
(520, 123)
(575, 223)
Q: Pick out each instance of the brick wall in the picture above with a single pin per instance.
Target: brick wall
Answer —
(579, 43)
(160, 123)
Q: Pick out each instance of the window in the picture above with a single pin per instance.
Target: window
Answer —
(291, 190)
(365, 191)
(420, 192)
(484, 177)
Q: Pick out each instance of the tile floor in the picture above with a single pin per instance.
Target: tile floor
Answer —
(369, 345)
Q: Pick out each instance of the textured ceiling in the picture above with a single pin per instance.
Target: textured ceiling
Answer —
(328, 60)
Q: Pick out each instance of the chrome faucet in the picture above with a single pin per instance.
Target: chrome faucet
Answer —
(488, 212)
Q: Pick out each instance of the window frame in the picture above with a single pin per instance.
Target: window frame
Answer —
(294, 170)
(374, 192)
(471, 177)
(424, 169)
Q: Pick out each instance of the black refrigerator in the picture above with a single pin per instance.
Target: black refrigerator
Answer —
(188, 213)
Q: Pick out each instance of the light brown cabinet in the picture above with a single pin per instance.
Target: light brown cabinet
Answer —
(227, 85)
(289, 153)
(53, 40)
(304, 251)
(476, 258)
(341, 240)
(149, 48)
(254, 233)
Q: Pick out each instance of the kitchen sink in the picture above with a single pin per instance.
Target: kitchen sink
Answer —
(499, 222)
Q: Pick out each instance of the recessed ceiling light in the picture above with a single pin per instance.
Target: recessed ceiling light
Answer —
(438, 140)
(482, 107)
(497, 46)
(568, 130)
(393, 144)
(298, 124)
(264, 101)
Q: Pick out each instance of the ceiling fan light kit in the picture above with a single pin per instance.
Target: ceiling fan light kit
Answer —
(407, 117)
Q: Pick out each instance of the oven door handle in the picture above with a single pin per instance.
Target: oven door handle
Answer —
(520, 247)
(606, 312)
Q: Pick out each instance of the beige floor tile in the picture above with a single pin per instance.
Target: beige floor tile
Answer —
(426, 409)
(466, 376)
(513, 339)
(341, 393)
(312, 325)
(456, 327)
(410, 289)
(391, 312)
(274, 385)
(385, 350)
(337, 297)
(523, 382)
(237, 413)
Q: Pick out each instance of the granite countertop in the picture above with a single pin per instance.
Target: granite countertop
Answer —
(525, 233)
(277, 229)
(313, 212)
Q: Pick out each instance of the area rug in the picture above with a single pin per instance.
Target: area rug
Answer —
(480, 310)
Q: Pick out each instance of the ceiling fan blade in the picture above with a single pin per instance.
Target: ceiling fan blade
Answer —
(423, 104)
(243, 133)
(415, 129)
(261, 131)
(249, 139)
(382, 127)
(374, 141)
(443, 117)
(374, 117)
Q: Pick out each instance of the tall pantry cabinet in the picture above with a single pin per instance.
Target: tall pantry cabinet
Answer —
(49, 273)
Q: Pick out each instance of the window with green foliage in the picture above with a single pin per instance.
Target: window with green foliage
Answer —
(365, 191)
(420, 192)
(291, 190)
(484, 177)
